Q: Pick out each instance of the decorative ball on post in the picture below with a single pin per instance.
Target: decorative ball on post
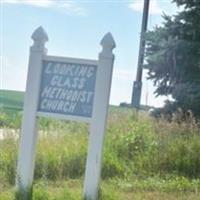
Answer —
(108, 45)
(39, 37)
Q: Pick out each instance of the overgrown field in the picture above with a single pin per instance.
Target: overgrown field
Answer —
(143, 158)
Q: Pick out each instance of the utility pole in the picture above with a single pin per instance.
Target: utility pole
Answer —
(137, 85)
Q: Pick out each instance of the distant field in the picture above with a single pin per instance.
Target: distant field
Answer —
(11, 99)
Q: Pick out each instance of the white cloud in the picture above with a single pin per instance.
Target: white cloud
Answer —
(71, 7)
(37, 3)
(154, 9)
(68, 7)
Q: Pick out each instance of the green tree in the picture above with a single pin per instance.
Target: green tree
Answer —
(173, 57)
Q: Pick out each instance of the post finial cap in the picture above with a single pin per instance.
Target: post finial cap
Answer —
(108, 41)
(39, 35)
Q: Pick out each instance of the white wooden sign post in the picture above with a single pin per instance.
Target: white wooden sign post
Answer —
(65, 88)
(97, 127)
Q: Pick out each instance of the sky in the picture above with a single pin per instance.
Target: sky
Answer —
(75, 29)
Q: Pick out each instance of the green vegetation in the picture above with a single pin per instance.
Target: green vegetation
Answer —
(173, 59)
(11, 99)
(143, 158)
(11, 103)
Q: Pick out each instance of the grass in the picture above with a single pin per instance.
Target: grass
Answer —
(11, 99)
(11, 103)
(143, 159)
(110, 190)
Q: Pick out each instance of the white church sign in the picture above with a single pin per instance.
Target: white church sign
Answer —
(66, 88)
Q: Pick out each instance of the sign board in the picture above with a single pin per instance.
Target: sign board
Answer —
(65, 88)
